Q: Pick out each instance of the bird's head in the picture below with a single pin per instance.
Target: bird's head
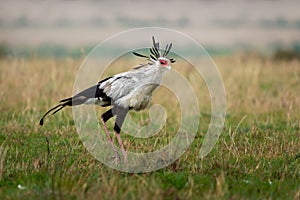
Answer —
(157, 57)
(163, 62)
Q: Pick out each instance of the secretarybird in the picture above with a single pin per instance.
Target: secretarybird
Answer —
(131, 90)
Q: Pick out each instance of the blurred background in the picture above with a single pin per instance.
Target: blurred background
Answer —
(66, 28)
(256, 46)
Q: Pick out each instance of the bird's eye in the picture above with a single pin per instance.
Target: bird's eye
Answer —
(163, 62)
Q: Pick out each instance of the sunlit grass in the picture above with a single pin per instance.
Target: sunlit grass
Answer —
(257, 155)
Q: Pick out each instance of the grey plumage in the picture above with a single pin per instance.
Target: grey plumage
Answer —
(133, 89)
(124, 91)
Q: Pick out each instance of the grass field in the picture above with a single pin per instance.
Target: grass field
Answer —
(256, 157)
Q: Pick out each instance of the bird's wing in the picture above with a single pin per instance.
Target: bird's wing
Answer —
(106, 90)
(120, 85)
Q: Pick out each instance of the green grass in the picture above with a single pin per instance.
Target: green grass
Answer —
(256, 157)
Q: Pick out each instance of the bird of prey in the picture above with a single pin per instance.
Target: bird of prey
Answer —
(131, 90)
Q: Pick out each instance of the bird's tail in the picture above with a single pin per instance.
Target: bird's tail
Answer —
(63, 103)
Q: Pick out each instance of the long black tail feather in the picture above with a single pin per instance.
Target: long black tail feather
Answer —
(81, 98)
(67, 100)
(56, 108)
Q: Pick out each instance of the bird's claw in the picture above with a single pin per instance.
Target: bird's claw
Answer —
(116, 157)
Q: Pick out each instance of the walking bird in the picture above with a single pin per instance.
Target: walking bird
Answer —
(131, 90)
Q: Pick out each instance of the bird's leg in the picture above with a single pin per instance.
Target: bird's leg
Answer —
(107, 133)
(106, 116)
(121, 114)
(122, 147)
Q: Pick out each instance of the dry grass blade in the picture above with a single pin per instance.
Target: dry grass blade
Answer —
(3, 151)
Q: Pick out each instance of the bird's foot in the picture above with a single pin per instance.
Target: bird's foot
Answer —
(116, 157)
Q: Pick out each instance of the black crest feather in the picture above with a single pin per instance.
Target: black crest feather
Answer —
(155, 51)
